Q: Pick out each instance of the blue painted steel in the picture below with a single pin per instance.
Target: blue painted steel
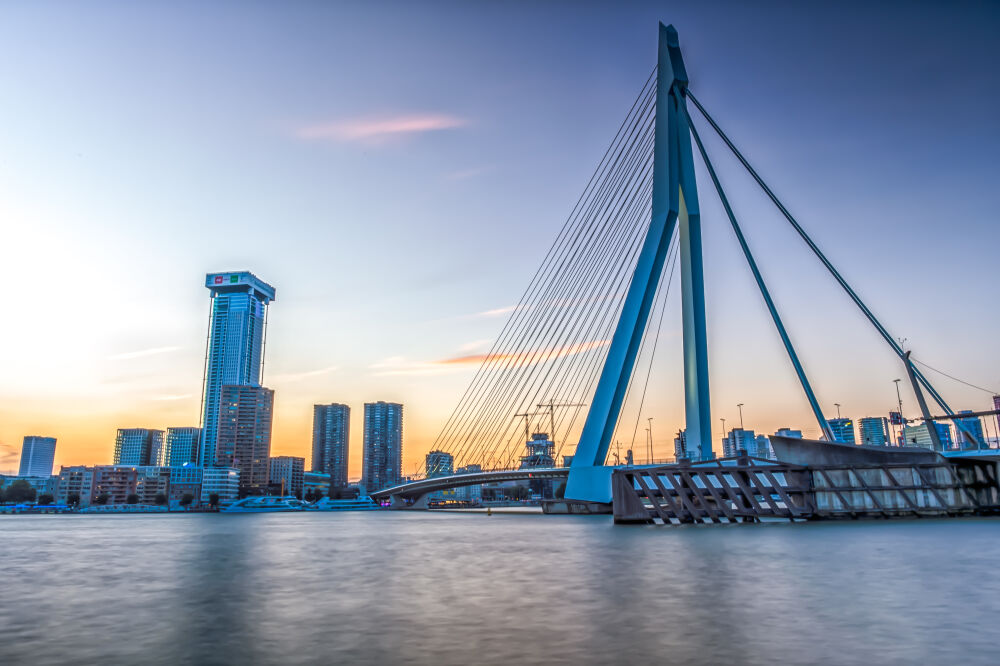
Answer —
(810, 396)
(589, 479)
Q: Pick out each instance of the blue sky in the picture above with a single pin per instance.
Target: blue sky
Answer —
(398, 169)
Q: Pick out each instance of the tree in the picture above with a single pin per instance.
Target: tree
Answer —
(45, 499)
(73, 499)
(161, 499)
(19, 491)
(318, 495)
(213, 499)
(132, 498)
(309, 495)
(102, 499)
(561, 490)
(186, 500)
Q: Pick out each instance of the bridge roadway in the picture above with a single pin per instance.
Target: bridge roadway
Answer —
(417, 491)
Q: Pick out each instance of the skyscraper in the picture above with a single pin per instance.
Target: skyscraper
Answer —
(182, 446)
(439, 463)
(331, 430)
(138, 446)
(244, 434)
(37, 455)
(235, 354)
(383, 454)
(874, 431)
(843, 430)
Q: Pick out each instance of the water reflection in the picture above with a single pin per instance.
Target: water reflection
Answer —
(457, 589)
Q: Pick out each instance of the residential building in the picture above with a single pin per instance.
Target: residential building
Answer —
(383, 445)
(138, 446)
(235, 346)
(223, 481)
(182, 446)
(874, 431)
(919, 435)
(762, 447)
(331, 434)
(843, 430)
(116, 482)
(43, 485)
(315, 482)
(37, 455)
(75, 480)
(186, 480)
(974, 427)
(683, 450)
(288, 471)
(439, 463)
(244, 435)
(788, 432)
(737, 439)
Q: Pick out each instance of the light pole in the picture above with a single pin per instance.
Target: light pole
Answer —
(838, 409)
(899, 400)
(740, 407)
(650, 422)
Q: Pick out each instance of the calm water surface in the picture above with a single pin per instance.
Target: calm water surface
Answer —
(447, 588)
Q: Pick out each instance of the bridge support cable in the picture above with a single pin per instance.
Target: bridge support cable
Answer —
(544, 286)
(586, 327)
(550, 321)
(559, 332)
(671, 263)
(582, 247)
(789, 348)
(896, 347)
(595, 305)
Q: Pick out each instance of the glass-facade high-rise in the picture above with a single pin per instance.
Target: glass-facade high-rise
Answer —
(235, 354)
(874, 431)
(383, 459)
(331, 434)
(843, 430)
(138, 446)
(37, 455)
(182, 446)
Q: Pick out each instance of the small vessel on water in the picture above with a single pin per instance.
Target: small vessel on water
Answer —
(362, 503)
(258, 504)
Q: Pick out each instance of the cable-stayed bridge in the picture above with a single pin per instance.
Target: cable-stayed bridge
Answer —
(567, 359)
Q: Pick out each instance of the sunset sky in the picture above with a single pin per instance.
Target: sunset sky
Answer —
(398, 170)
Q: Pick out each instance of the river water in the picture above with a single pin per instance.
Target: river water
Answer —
(453, 588)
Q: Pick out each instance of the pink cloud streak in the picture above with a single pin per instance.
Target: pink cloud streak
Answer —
(362, 129)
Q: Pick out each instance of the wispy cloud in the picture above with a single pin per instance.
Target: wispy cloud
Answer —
(498, 312)
(401, 366)
(298, 376)
(379, 128)
(462, 174)
(142, 352)
(474, 345)
(178, 396)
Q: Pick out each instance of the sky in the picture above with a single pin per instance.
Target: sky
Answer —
(398, 170)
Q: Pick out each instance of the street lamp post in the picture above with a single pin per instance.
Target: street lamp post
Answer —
(740, 407)
(838, 409)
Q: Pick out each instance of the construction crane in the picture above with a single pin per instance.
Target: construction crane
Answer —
(551, 406)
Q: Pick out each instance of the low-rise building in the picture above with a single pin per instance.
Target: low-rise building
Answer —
(75, 481)
(288, 471)
(919, 435)
(115, 482)
(223, 481)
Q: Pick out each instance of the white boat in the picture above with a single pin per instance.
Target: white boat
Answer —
(363, 503)
(265, 505)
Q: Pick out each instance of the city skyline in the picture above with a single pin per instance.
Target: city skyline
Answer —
(306, 169)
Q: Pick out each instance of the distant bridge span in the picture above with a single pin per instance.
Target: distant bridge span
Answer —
(417, 491)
